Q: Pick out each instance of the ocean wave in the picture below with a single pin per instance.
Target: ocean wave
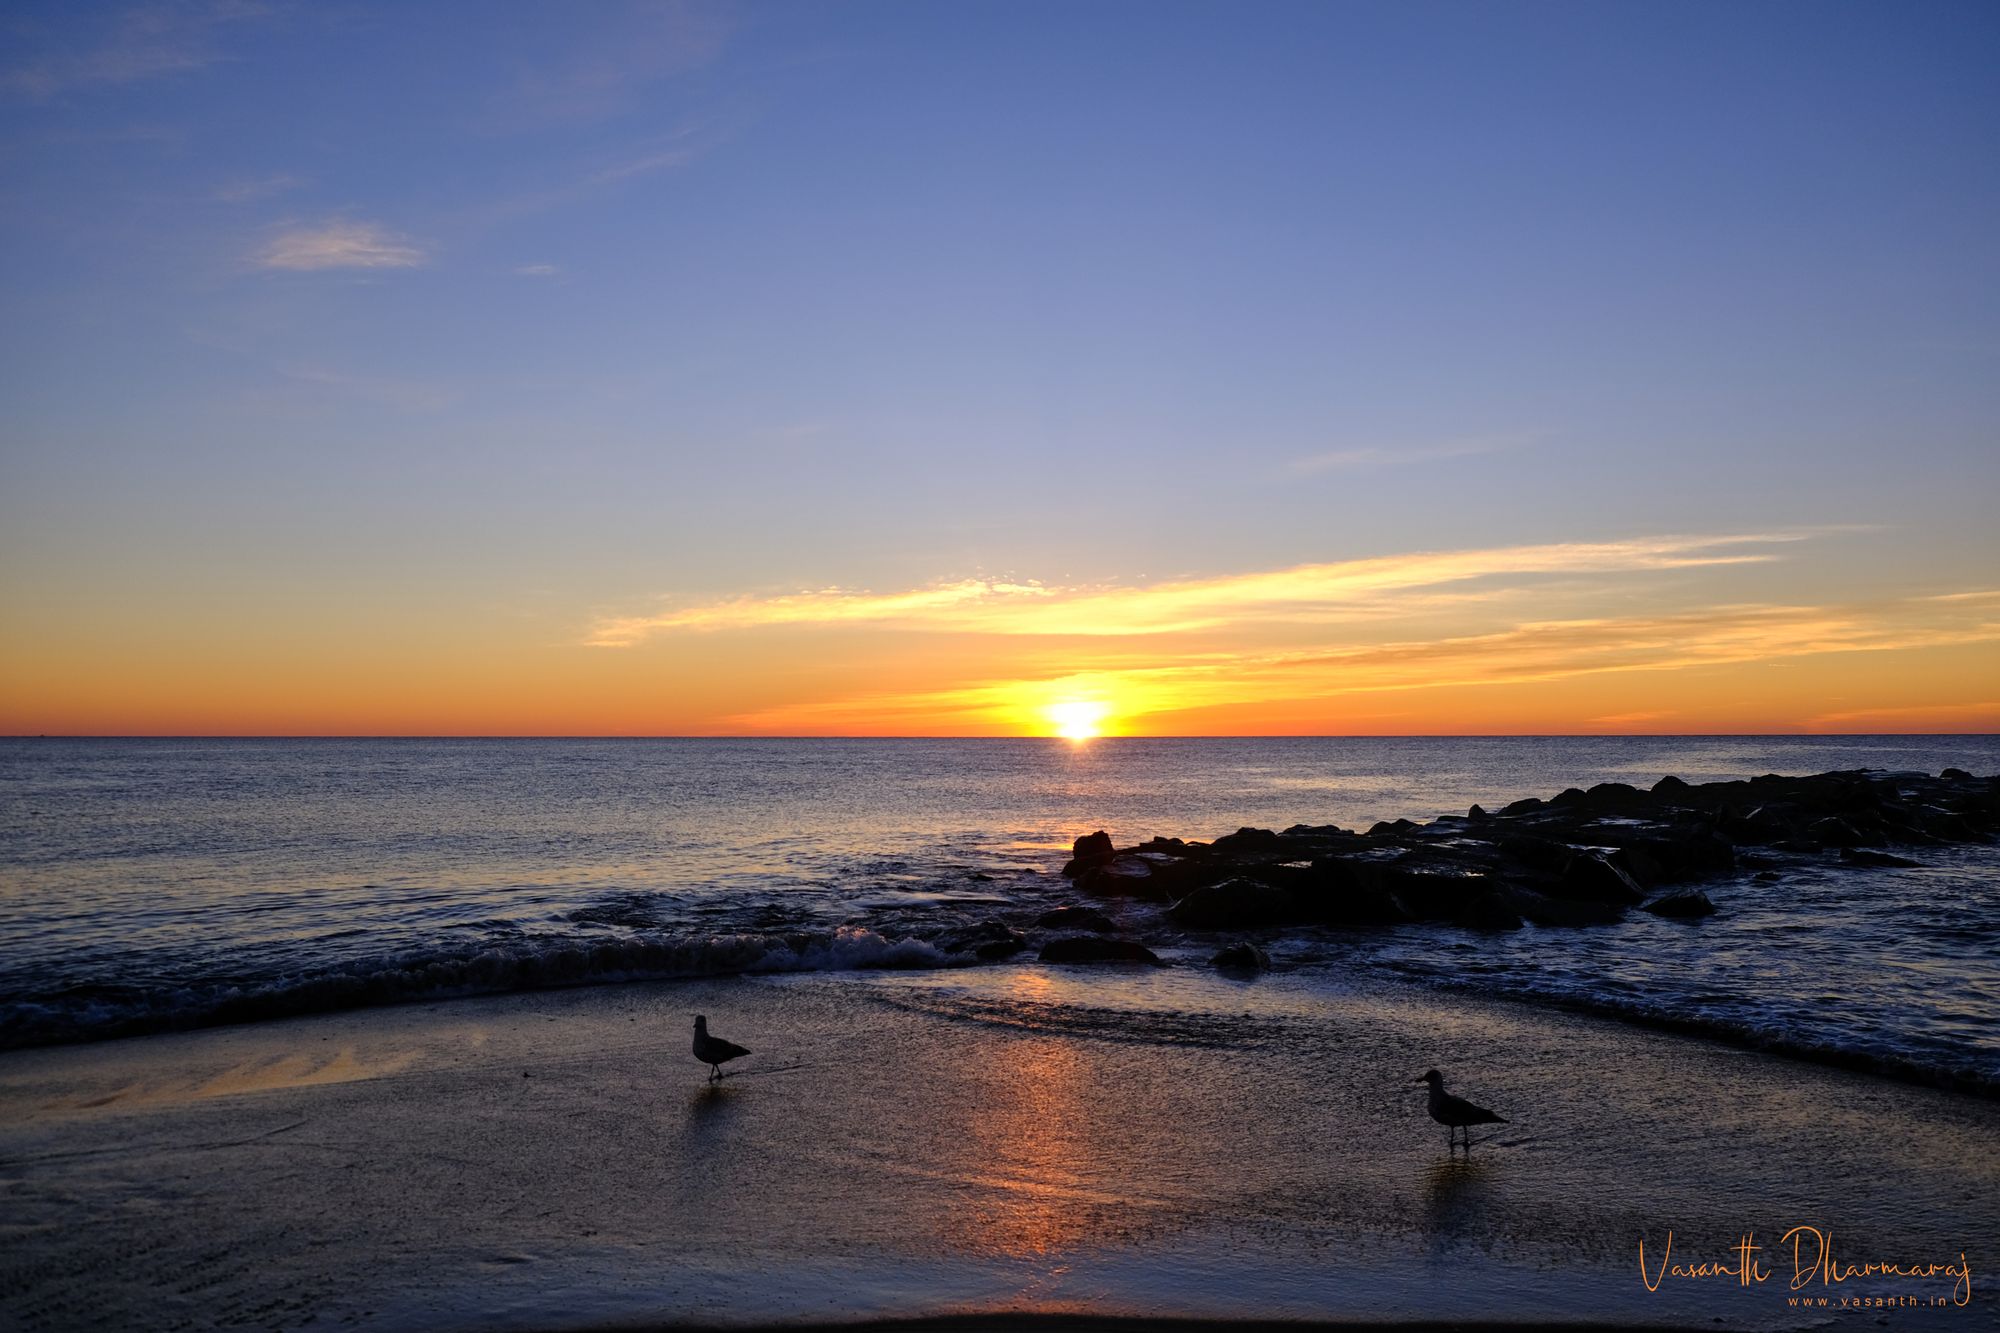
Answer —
(96, 1012)
(1769, 1031)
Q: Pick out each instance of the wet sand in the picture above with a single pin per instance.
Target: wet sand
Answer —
(999, 1142)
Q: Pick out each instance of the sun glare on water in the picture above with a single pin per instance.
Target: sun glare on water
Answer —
(1078, 719)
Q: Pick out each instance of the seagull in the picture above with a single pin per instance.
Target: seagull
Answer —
(713, 1051)
(1456, 1112)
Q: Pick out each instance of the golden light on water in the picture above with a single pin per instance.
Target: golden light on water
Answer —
(1078, 719)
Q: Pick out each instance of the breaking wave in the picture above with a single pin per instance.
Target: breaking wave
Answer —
(94, 1012)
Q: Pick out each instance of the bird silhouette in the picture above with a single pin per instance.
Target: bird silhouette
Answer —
(1456, 1113)
(713, 1051)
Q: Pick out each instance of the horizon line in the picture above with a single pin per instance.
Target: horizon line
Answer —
(847, 736)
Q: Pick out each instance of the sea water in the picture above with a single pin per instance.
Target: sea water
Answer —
(152, 884)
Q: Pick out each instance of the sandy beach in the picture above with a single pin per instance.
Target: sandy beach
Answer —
(1008, 1141)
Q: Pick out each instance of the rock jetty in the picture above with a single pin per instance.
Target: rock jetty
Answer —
(1576, 859)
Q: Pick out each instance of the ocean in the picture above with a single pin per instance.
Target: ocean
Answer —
(160, 884)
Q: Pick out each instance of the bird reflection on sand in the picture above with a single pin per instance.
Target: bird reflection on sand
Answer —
(1457, 1192)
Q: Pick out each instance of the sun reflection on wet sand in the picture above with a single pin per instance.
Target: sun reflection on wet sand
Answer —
(1030, 1148)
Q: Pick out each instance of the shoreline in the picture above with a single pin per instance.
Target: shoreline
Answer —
(1576, 862)
(1133, 1323)
(1132, 1146)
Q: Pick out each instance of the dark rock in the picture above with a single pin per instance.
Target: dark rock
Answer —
(1947, 826)
(1527, 805)
(988, 940)
(1097, 949)
(1861, 856)
(1390, 826)
(1834, 832)
(1489, 911)
(1076, 918)
(1148, 875)
(1671, 787)
(1242, 958)
(1640, 863)
(1693, 852)
(1615, 795)
(1234, 903)
(1170, 847)
(1477, 813)
(1569, 798)
(1688, 905)
(1544, 854)
(1767, 877)
(1590, 878)
(1956, 775)
(1089, 850)
(1247, 841)
(1762, 823)
(1351, 891)
(1437, 890)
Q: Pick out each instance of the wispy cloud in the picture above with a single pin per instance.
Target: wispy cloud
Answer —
(611, 63)
(1317, 593)
(1980, 716)
(610, 169)
(1381, 456)
(1626, 721)
(338, 244)
(536, 270)
(1159, 684)
(260, 187)
(645, 163)
(145, 42)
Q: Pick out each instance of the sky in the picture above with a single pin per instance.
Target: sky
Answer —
(977, 368)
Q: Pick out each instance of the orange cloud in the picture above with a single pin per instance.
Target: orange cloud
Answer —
(1155, 682)
(1303, 593)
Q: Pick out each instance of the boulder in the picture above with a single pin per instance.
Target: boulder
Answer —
(1248, 842)
(988, 940)
(1089, 850)
(1834, 832)
(1242, 958)
(1544, 854)
(1076, 918)
(1589, 877)
(1097, 949)
(1127, 876)
(1437, 890)
(1861, 856)
(1615, 796)
(1687, 905)
(1488, 911)
(1235, 903)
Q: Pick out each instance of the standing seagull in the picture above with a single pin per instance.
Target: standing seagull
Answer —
(1454, 1112)
(713, 1051)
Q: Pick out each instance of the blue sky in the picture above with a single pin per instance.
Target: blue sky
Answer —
(413, 317)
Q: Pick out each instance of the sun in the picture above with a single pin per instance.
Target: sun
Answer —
(1078, 719)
